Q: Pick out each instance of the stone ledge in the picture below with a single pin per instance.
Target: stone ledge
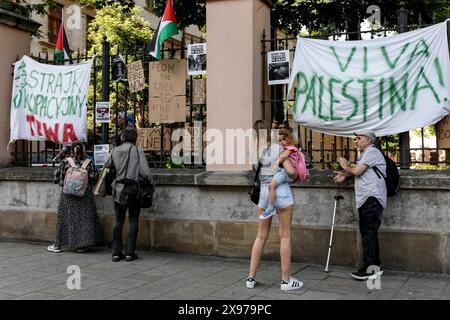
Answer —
(411, 179)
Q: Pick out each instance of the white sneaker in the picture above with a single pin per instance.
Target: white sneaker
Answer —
(293, 284)
(250, 283)
(54, 248)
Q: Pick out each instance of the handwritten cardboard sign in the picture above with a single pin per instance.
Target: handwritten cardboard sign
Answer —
(136, 78)
(443, 132)
(167, 91)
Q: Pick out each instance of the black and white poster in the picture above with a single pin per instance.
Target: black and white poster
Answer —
(196, 59)
(101, 154)
(119, 71)
(278, 67)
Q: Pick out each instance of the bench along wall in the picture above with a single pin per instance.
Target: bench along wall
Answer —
(209, 213)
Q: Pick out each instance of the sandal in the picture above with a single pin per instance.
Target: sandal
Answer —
(131, 257)
(117, 257)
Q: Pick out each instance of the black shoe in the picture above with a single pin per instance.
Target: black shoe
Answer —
(131, 257)
(117, 257)
(361, 274)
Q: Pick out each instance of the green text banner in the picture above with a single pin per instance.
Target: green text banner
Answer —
(389, 85)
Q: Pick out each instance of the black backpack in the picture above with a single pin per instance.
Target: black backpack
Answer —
(392, 177)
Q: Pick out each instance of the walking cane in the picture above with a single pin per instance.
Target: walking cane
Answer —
(336, 198)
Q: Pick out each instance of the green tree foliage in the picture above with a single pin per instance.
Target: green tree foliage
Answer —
(99, 4)
(122, 26)
(293, 14)
(187, 12)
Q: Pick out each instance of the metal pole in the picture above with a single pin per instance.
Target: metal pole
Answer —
(405, 158)
(336, 198)
(105, 86)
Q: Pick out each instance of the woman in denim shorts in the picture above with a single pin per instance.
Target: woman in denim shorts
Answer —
(283, 203)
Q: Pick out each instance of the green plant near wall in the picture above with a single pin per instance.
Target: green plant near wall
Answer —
(428, 132)
(426, 166)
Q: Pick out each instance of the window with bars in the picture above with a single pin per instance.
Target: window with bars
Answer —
(54, 22)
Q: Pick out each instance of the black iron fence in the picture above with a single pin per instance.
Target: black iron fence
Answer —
(133, 107)
(324, 149)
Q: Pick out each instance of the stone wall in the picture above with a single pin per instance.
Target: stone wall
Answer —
(209, 213)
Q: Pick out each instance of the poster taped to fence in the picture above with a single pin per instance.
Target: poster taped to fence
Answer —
(149, 139)
(136, 79)
(101, 154)
(102, 111)
(443, 132)
(167, 91)
(198, 91)
(118, 68)
(49, 102)
(389, 85)
(196, 59)
(278, 67)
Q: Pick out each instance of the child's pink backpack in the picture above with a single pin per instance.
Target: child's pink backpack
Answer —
(298, 159)
(303, 173)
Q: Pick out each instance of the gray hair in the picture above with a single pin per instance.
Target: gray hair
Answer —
(129, 135)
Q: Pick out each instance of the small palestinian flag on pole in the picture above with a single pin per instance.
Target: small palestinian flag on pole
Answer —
(62, 51)
(166, 28)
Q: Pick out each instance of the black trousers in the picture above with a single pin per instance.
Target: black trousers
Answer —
(133, 221)
(369, 223)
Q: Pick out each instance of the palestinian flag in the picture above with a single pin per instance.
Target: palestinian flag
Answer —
(166, 28)
(62, 51)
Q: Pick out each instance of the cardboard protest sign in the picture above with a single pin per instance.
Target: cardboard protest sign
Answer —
(167, 91)
(149, 139)
(49, 102)
(443, 132)
(199, 91)
(136, 79)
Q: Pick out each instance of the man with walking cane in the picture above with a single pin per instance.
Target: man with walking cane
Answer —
(371, 199)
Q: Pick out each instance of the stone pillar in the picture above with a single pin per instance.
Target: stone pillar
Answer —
(15, 38)
(234, 88)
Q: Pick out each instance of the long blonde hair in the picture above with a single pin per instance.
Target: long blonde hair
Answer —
(289, 137)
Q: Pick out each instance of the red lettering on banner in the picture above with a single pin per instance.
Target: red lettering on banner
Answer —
(52, 134)
(30, 120)
(69, 133)
(39, 127)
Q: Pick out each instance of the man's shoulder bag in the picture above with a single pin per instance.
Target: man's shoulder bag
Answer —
(146, 189)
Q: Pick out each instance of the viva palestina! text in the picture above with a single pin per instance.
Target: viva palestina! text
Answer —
(49, 102)
(390, 85)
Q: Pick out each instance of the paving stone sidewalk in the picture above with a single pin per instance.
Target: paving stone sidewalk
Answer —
(29, 272)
